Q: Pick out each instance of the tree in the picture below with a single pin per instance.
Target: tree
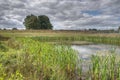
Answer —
(14, 28)
(37, 22)
(119, 29)
(4, 29)
(31, 22)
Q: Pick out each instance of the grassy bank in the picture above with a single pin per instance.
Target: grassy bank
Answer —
(94, 39)
(29, 55)
(77, 37)
(27, 59)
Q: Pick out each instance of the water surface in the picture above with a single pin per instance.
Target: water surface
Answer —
(87, 50)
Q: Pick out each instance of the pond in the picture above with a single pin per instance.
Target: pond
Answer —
(85, 52)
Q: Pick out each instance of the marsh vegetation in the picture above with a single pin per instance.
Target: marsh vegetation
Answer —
(25, 57)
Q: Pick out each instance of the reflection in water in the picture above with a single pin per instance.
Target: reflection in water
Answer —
(85, 51)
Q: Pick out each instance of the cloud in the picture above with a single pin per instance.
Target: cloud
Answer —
(64, 14)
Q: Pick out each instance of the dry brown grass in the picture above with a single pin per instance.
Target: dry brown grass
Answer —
(33, 33)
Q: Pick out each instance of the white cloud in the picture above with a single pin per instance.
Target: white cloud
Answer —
(64, 14)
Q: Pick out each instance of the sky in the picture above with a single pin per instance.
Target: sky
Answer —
(63, 14)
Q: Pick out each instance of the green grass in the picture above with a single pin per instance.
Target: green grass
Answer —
(27, 59)
(104, 67)
(29, 56)
(94, 39)
(64, 36)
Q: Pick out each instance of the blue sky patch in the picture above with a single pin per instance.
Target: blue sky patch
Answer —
(93, 12)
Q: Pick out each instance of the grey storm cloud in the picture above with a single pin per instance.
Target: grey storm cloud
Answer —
(64, 14)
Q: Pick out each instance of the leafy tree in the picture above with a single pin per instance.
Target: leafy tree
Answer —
(31, 22)
(4, 29)
(14, 28)
(37, 22)
(119, 29)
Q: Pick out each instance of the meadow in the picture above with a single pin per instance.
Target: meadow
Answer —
(37, 55)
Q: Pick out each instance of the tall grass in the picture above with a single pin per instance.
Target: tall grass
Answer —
(94, 39)
(104, 67)
(32, 60)
(28, 59)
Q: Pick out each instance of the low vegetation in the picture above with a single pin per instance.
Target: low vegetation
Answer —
(104, 67)
(27, 59)
(32, 58)
(2, 38)
(94, 39)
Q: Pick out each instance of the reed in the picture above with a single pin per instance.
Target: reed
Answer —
(94, 39)
(104, 67)
(32, 60)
